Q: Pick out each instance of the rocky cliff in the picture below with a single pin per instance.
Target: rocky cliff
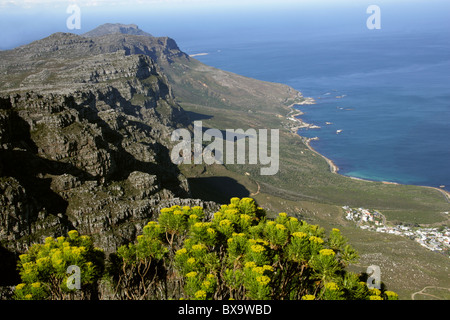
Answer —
(84, 144)
(85, 123)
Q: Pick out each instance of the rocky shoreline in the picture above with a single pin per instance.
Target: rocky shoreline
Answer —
(295, 124)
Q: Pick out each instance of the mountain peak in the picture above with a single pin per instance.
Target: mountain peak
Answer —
(113, 28)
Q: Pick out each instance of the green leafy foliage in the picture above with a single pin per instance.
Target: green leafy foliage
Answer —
(240, 254)
(237, 253)
(44, 268)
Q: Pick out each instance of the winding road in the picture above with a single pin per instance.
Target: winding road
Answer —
(427, 294)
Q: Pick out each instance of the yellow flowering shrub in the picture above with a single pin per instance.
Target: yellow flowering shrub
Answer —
(263, 280)
(390, 295)
(43, 269)
(235, 253)
(327, 252)
(200, 295)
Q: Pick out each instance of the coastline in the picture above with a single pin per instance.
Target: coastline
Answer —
(333, 167)
(291, 116)
(199, 54)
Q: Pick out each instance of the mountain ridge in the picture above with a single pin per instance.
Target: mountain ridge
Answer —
(111, 28)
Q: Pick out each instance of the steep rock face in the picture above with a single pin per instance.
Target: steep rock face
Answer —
(85, 123)
(84, 144)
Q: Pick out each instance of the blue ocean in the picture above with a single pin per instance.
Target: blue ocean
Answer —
(382, 95)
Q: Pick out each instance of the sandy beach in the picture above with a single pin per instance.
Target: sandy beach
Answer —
(333, 168)
(301, 124)
(198, 54)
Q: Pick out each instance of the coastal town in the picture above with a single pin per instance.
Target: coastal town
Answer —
(436, 239)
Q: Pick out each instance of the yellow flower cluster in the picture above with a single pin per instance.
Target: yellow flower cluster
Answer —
(202, 224)
(336, 230)
(247, 200)
(283, 214)
(280, 227)
(178, 212)
(299, 234)
(327, 252)
(331, 286)
(261, 270)
(264, 280)
(191, 260)
(206, 284)
(225, 222)
(36, 284)
(308, 297)
(166, 210)
(42, 262)
(375, 298)
(200, 294)
(250, 264)
(316, 239)
(73, 233)
(267, 267)
(198, 247)
(192, 274)
(20, 286)
(193, 216)
(211, 231)
(238, 234)
(391, 294)
(23, 257)
(49, 240)
(375, 291)
(181, 251)
(255, 241)
(257, 248)
(231, 212)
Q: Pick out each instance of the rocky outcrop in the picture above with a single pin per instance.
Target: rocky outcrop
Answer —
(111, 28)
(84, 144)
(85, 125)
